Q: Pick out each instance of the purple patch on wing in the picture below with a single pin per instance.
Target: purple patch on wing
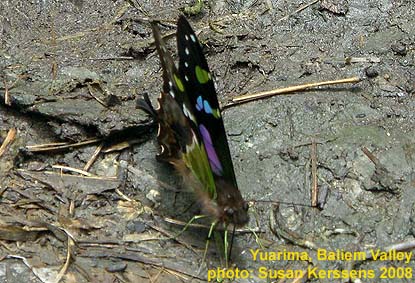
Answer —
(210, 151)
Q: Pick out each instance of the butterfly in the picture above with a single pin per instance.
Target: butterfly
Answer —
(191, 134)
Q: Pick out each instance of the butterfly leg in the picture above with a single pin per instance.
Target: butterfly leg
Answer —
(221, 242)
(257, 239)
(212, 228)
(196, 217)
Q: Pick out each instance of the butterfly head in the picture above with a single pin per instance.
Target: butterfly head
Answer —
(232, 207)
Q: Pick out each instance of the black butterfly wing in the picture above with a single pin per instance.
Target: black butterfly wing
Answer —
(191, 131)
(178, 134)
(194, 71)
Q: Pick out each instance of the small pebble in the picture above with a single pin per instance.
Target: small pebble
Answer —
(371, 72)
(116, 267)
(399, 48)
(136, 226)
(154, 196)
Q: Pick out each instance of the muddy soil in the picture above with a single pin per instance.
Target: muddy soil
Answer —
(70, 75)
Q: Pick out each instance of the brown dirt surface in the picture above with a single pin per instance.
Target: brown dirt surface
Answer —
(83, 198)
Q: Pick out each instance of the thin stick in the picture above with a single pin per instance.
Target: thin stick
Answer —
(71, 169)
(314, 188)
(171, 236)
(26, 262)
(287, 90)
(43, 145)
(64, 268)
(298, 10)
(91, 93)
(49, 147)
(11, 135)
(112, 58)
(371, 156)
(122, 195)
(7, 98)
(93, 157)
(6, 94)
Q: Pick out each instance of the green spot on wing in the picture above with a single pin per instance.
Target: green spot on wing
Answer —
(196, 159)
(216, 113)
(202, 75)
(179, 83)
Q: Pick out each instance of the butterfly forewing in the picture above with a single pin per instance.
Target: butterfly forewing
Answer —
(191, 132)
(194, 71)
(178, 129)
(172, 84)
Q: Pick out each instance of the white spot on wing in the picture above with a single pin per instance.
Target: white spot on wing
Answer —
(170, 84)
(171, 93)
(190, 147)
(185, 111)
(158, 131)
(193, 144)
(162, 149)
(186, 37)
(188, 114)
(186, 64)
(192, 36)
(186, 50)
(186, 78)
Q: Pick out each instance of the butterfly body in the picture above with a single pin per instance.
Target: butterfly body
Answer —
(191, 133)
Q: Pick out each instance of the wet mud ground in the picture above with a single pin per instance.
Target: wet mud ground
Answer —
(71, 71)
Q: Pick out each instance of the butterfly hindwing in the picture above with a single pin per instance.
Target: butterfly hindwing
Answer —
(170, 116)
(195, 74)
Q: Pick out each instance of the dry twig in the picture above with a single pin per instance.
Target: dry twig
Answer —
(59, 145)
(11, 135)
(298, 10)
(93, 157)
(62, 272)
(371, 156)
(71, 169)
(248, 97)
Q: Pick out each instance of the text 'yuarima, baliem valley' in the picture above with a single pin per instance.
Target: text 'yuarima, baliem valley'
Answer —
(334, 255)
